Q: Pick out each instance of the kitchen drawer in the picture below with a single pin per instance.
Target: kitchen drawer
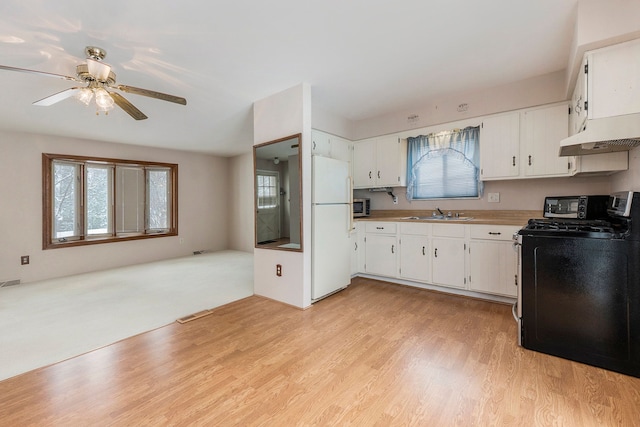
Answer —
(493, 232)
(420, 229)
(381, 227)
(447, 230)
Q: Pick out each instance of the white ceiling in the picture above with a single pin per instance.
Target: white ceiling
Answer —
(362, 58)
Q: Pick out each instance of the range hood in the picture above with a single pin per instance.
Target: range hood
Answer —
(605, 135)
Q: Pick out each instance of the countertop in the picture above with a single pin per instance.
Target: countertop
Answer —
(493, 217)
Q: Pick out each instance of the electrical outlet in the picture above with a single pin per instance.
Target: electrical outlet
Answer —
(278, 270)
(24, 259)
(494, 198)
(395, 200)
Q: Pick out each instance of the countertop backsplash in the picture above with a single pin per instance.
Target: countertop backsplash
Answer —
(523, 194)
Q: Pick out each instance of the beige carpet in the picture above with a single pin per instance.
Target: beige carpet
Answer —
(52, 320)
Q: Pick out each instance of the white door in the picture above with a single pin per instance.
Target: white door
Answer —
(331, 246)
(268, 207)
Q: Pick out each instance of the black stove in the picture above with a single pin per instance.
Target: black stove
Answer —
(579, 286)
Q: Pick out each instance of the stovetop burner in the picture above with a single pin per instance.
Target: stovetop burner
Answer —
(599, 229)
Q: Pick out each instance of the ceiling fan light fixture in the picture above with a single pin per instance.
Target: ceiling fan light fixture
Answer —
(99, 70)
(104, 101)
(84, 95)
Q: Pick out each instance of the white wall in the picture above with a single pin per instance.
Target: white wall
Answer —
(241, 227)
(629, 180)
(525, 194)
(203, 185)
(280, 115)
(527, 93)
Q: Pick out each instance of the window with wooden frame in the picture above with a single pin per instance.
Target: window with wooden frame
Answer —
(88, 200)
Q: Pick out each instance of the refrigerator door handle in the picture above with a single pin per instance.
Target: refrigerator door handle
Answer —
(349, 221)
(350, 213)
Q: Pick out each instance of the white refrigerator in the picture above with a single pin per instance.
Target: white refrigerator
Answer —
(331, 219)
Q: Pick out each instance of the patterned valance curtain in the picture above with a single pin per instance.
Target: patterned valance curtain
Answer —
(444, 165)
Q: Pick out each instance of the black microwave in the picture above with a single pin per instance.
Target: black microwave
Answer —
(361, 207)
(578, 207)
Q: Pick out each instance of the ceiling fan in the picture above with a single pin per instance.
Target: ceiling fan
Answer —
(98, 78)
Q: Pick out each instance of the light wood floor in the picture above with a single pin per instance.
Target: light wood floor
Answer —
(375, 354)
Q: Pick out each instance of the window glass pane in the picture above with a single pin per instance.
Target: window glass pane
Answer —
(444, 165)
(159, 196)
(98, 189)
(66, 194)
(96, 200)
(267, 191)
(130, 199)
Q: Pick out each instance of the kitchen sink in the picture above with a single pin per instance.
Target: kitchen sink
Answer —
(439, 218)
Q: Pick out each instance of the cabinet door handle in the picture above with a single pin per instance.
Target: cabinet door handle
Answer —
(529, 160)
(423, 251)
(392, 248)
(369, 174)
(378, 174)
(435, 252)
(379, 228)
(356, 243)
(513, 161)
(494, 234)
(314, 146)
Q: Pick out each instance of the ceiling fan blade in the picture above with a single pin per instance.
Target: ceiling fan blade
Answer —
(151, 94)
(57, 97)
(42, 73)
(128, 107)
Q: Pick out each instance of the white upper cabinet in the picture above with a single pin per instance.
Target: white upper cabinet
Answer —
(327, 145)
(541, 132)
(524, 144)
(579, 101)
(364, 163)
(380, 162)
(500, 147)
(613, 80)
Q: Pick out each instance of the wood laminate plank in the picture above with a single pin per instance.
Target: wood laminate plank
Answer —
(376, 354)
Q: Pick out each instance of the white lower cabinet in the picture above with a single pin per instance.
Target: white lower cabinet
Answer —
(415, 252)
(448, 255)
(478, 258)
(381, 249)
(353, 236)
(493, 260)
(357, 245)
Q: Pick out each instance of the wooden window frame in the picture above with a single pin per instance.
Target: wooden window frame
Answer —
(48, 242)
